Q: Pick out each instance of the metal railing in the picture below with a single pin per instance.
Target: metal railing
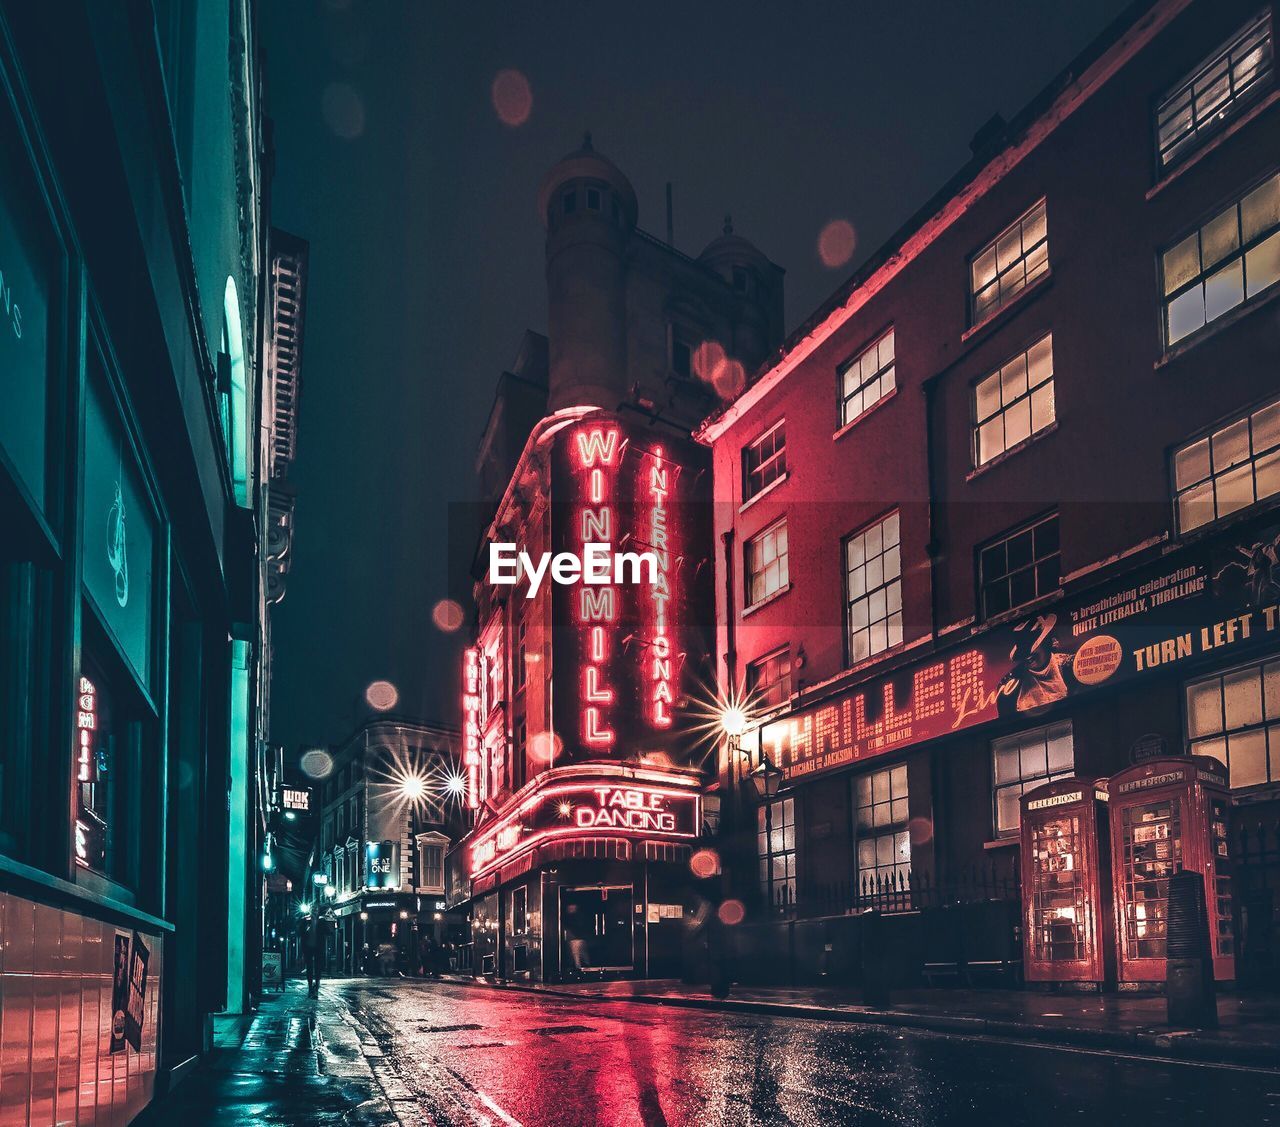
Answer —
(900, 892)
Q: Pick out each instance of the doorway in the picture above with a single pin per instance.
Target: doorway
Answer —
(599, 921)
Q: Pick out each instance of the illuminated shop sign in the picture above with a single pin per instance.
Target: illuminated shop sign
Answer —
(1194, 605)
(296, 798)
(597, 450)
(382, 864)
(571, 809)
(471, 690)
(87, 732)
(659, 663)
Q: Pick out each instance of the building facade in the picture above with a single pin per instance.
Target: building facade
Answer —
(389, 811)
(581, 765)
(132, 252)
(1002, 511)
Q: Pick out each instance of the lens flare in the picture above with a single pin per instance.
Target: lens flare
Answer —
(512, 98)
(448, 616)
(382, 696)
(732, 913)
(317, 763)
(704, 863)
(545, 747)
(836, 243)
(343, 110)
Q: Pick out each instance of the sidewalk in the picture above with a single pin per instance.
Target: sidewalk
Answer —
(296, 1060)
(1249, 1033)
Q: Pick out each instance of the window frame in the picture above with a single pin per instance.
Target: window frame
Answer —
(895, 828)
(843, 419)
(1170, 157)
(867, 593)
(760, 698)
(1023, 781)
(975, 318)
(1233, 203)
(766, 855)
(748, 574)
(1001, 413)
(1269, 727)
(779, 454)
(1004, 538)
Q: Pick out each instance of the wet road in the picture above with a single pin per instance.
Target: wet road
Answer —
(465, 1055)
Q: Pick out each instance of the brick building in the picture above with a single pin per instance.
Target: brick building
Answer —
(1003, 509)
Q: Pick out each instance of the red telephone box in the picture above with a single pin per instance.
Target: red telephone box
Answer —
(1168, 815)
(1066, 883)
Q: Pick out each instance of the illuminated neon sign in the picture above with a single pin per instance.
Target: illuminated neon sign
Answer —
(86, 727)
(576, 808)
(660, 679)
(471, 689)
(598, 450)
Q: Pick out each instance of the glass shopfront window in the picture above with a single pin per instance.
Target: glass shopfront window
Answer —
(118, 527)
(30, 285)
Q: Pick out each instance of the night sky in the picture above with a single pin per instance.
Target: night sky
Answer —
(427, 250)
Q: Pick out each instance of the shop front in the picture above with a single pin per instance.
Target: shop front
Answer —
(585, 875)
(1015, 765)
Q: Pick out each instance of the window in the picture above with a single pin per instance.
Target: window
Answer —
(1208, 98)
(867, 379)
(432, 867)
(764, 461)
(1013, 402)
(741, 280)
(1024, 761)
(593, 199)
(1020, 568)
(522, 661)
(1227, 261)
(1235, 717)
(520, 910)
(681, 358)
(769, 679)
(1236, 466)
(570, 201)
(776, 848)
(765, 558)
(884, 844)
(1009, 263)
(873, 589)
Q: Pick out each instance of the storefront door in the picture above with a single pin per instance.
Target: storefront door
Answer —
(601, 919)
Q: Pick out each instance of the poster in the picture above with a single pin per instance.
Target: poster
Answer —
(136, 1009)
(1188, 606)
(119, 992)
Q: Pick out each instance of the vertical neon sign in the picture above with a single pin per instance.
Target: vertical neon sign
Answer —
(86, 726)
(598, 452)
(471, 686)
(661, 680)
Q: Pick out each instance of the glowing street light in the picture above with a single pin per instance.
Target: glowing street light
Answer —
(413, 787)
(733, 720)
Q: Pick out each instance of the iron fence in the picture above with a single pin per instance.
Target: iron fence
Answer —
(897, 892)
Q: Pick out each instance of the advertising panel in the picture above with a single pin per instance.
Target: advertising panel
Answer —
(1191, 605)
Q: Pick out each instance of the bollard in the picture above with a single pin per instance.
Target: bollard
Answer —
(1189, 990)
(875, 979)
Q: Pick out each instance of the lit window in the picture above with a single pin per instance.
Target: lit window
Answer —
(1228, 261)
(1009, 263)
(1236, 466)
(873, 589)
(765, 559)
(867, 379)
(884, 843)
(1207, 99)
(1014, 402)
(1235, 717)
(769, 680)
(1020, 567)
(764, 461)
(776, 849)
(1024, 761)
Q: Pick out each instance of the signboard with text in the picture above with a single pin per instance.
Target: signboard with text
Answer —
(1190, 605)
(382, 864)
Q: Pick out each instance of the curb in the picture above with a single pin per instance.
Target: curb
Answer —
(1171, 1045)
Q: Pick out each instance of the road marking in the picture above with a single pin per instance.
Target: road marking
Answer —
(509, 1120)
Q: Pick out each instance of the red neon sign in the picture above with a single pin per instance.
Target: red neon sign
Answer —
(587, 808)
(471, 688)
(598, 450)
(660, 677)
(86, 726)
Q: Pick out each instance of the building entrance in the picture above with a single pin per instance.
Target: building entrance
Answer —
(597, 928)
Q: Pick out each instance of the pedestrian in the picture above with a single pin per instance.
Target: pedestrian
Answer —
(576, 936)
(313, 938)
